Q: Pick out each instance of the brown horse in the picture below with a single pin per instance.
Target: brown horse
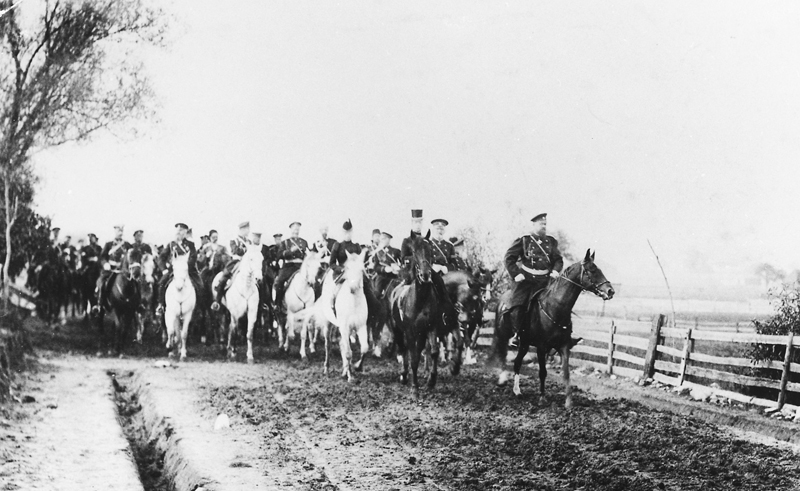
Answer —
(549, 321)
(124, 299)
(421, 316)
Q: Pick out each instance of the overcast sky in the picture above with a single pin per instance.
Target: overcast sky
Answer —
(673, 121)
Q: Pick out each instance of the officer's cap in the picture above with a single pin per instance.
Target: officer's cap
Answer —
(119, 226)
(416, 213)
(386, 234)
(456, 241)
(539, 217)
(92, 235)
(244, 224)
(182, 226)
(55, 229)
(138, 232)
(257, 234)
(295, 223)
(277, 235)
(204, 237)
(440, 220)
(348, 225)
(212, 232)
(376, 231)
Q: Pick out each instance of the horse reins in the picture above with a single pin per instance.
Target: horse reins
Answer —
(594, 288)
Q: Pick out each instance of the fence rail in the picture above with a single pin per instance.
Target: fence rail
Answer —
(633, 348)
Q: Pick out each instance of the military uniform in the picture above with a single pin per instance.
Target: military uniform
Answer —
(443, 252)
(173, 250)
(534, 257)
(112, 255)
(406, 256)
(142, 248)
(324, 247)
(292, 251)
(457, 263)
(387, 262)
(90, 253)
(340, 251)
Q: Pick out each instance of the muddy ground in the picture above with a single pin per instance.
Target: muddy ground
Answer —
(302, 430)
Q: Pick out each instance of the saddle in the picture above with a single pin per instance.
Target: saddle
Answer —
(506, 308)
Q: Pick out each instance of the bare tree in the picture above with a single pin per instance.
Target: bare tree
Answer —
(67, 70)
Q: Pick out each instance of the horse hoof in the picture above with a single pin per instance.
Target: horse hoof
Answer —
(183, 358)
(568, 404)
(503, 380)
(517, 392)
(543, 401)
(251, 361)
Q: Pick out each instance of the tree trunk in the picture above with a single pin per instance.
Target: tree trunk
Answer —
(10, 216)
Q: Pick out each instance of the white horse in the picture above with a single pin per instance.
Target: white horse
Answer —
(350, 314)
(299, 297)
(243, 296)
(180, 301)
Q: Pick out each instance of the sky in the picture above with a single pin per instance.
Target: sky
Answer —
(676, 122)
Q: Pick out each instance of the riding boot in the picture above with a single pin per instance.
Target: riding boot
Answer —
(101, 297)
(514, 317)
(220, 291)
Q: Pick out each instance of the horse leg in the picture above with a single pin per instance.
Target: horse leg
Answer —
(347, 355)
(304, 337)
(252, 314)
(187, 318)
(433, 341)
(417, 346)
(523, 350)
(326, 334)
(541, 354)
(363, 339)
(565, 374)
(231, 328)
(457, 353)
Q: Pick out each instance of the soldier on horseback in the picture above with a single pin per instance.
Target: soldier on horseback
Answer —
(90, 253)
(292, 252)
(443, 251)
(139, 245)
(238, 249)
(373, 248)
(458, 261)
(530, 261)
(111, 259)
(178, 247)
(323, 246)
(387, 263)
(406, 252)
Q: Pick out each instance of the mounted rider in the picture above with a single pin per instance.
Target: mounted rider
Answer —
(90, 253)
(139, 245)
(238, 249)
(373, 248)
(443, 251)
(111, 259)
(211, 248)
(406, 253)
(292, 252)
(324, 246)
(530, 261)
(339, 256)
(458, 262)
(181, 246)
(387, 263)
(54, 251)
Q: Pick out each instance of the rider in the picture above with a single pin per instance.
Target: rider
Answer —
(339, 257)
(405, 248)
(178, 247)
(324, 246)
(387, 263)
(238, 249)
(90, 253)
(458, 262)
(139, 245)
(292, 252)
(211, 248)
(530, 261)
(54, 252)
(443, 251)
(111, 259)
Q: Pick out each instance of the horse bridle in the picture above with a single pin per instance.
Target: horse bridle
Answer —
(594, 288)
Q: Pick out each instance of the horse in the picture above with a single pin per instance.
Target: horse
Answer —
(383, 318)
(180, 301)
(124, 298)
(46, 280)
(87, 283)
(345, 308)
(548, 323)
(465, 293)
(210, 319)
(242, 297)
(299, 296)
(419, 316)
(144, 314)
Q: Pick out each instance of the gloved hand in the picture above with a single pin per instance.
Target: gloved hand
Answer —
(554, 274)
(166, 271)
(519, 277)
(439, 268)
(107, 267)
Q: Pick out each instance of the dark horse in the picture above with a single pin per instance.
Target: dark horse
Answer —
(549, 321)
(124, 298)
(419, 316)
(87, 282)
(213, 323)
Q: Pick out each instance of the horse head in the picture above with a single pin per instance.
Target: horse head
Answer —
(354, 270)
(310, 268)
(592, 278)
(132, 263)
(422, 257)
(180, 270)
(148, 266)
(253, 259)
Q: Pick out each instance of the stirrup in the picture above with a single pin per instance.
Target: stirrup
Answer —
(514, 342)
(160, 310)
(215, 306)
(95, 310)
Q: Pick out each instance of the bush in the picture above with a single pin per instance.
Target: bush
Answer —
(13, 346)
(786, 319)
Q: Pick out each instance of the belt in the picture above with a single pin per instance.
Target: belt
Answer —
(296, 261)
(535, 272)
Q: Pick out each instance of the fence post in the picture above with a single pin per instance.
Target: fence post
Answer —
(787, 363)
(687, 351)
(611, 331)
(652, 348)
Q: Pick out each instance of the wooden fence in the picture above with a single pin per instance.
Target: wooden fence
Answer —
(672, 354)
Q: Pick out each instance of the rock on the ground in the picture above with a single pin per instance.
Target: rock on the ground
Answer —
(682, 390)
(699, 394)
(222, 422)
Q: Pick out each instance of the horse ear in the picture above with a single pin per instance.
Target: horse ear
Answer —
(593, 255)
(588, 255)
(428, 235)
(363, 254)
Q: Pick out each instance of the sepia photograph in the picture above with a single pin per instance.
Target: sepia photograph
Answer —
(399, 245)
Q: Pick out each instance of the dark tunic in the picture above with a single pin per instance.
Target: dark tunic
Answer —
(340, 250)
(114, 252)
(534, 257)
(443, 252)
